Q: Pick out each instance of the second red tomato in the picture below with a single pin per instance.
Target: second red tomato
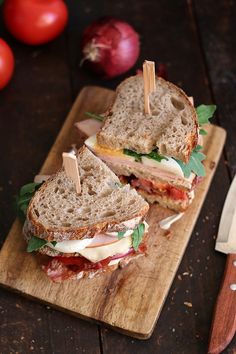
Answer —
(35, 21)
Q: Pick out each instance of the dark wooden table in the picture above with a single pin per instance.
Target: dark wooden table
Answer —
(197, 41)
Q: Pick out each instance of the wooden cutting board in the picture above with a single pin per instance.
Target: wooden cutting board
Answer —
(129, 300)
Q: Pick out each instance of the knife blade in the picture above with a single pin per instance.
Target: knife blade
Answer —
(224, 321)
(226, 239)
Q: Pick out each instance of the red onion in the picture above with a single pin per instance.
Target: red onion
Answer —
(110, 47)
(118, 256)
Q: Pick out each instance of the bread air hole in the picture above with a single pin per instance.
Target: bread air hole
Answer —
(163, 149)
(105, 194)
(108, 213)
(71, 210)
(36, 212)
(66, 224)
(184, 120)
(177, 104)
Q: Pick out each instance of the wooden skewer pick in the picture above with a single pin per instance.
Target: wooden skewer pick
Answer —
(149, 83)
(71, 168)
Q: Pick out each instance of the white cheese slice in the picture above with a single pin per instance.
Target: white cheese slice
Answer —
(169, 165)
(74, 246)
(97, 254)
(71, 246)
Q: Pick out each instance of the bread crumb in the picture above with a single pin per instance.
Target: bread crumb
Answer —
(185, 273)
(189, 304)
(179, 277)
(168, 234)
(212, 165)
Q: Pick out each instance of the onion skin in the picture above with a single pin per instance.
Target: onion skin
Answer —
(110, 47)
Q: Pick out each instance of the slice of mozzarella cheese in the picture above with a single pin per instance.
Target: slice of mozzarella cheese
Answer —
(169, 165)
(97, 254)
(71, 246)
(74, 246)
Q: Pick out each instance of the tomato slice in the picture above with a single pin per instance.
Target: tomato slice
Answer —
(81, 263)
(177, 194)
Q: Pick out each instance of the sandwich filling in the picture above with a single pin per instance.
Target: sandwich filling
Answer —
(91, 254)
(166, 178)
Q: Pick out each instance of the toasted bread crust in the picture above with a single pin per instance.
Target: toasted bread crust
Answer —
(66, 234)
(191, 139)
(62, 233)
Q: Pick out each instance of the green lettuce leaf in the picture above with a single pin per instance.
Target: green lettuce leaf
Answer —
(202, 132)
(137, 236)
(195, 163)
(121, 234)
(136, 155)
(204, 113)
(94, 116)
(35, 243)
(154, 155)
(24, 197)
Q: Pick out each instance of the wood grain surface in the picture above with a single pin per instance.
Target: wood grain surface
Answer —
(196, 41)
(129, 300)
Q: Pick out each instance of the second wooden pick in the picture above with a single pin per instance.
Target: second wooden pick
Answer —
(149, 79)
(71, 168)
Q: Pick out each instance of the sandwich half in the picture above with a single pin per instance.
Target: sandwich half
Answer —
(158, 154)
(89, 233)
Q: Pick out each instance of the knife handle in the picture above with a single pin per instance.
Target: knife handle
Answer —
(224, 322)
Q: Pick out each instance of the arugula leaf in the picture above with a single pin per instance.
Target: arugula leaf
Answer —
(24, 197)
(195, 163)
(202, 132)
(35, 243)
(121, 234)
(136, 155)
(137, 236)
(154, 155)
(204, 113)
(95, 116)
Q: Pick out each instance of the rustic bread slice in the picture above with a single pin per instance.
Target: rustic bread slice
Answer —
(172, 125)
(57, 212)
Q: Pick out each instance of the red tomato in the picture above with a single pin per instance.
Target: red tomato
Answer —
(6, 63)
(35, 21)
(82, 263)
(177, 194)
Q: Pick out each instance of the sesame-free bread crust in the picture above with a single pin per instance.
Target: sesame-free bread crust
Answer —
(58, 213)
(171, 127)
